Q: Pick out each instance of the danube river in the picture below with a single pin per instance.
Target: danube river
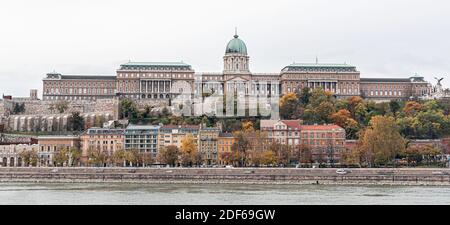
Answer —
(102, 193)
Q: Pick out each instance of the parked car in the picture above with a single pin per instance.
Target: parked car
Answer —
(342, 171)
(229, 166)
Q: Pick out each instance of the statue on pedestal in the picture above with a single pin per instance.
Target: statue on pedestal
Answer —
(439, 88)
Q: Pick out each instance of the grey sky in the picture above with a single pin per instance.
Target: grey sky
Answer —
(383, 38)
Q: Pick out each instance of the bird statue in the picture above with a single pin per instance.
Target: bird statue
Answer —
(439, 80)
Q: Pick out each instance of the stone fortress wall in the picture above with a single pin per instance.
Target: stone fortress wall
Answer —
(43, 107)
(39, 116)
(51, 122)
(2, 107)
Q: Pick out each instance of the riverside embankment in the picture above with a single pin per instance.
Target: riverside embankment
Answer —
(404, 176)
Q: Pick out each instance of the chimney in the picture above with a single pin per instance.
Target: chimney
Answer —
(33, 94)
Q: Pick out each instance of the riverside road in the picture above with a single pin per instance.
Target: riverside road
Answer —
(396, 176)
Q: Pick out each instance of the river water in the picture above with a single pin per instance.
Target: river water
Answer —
(239, 194)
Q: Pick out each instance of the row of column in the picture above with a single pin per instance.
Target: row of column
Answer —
(328, 86)
(150, 86)
(256, 88)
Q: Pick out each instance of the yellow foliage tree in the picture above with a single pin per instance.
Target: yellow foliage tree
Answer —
(412, 108)
(268, 158)
(381, 141)
(189, 152)
(289, 97)
(248, 126)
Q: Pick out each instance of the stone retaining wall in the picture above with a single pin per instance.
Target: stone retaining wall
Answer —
(229, 175)
(51, 122)
(43, 107)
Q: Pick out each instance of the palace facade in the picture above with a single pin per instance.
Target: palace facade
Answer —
(162, 81)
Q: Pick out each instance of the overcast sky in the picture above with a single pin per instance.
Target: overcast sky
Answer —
(383, 38)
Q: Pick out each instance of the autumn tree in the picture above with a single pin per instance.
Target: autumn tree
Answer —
(343, 119)
(132, 157)
(242, 146)
(353, 102)
(282, 152)
(351, 156)
(381, 141)
(247, 126)
(268, 158)
(320, 107)
(415, 155)
(119, 157)
(226, 158)
(61, 157)
(302, 154)
(145, 158)
(169, 155)
(29, 157)
(289, 106)
(189, 152)
(411, 108)
(97, 157)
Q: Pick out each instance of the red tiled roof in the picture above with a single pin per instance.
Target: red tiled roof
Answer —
(320, 127)
(292, 123)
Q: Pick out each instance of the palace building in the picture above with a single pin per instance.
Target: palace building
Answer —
(163, 81)
(76, 87)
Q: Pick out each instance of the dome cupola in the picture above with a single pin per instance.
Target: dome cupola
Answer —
(236, 58)
(236, 45)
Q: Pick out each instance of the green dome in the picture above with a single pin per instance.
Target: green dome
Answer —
(236, 45)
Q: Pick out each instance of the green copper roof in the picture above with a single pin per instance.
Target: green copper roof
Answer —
(320, 67)
(155, 64)
(236, 45)
(331, 65)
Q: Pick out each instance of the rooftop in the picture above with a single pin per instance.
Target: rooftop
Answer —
(180, 127)
(289, 123)
(89, 77)
(292, 123)
(320, 127)
(79, 77)
(156, 65)
(97, 130)
(386, 80)
(226, 135)
(322, 67)
(142, 127)
(50, 137)
(328, 65)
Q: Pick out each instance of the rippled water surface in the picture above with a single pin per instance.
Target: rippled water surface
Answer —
(33, 193)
